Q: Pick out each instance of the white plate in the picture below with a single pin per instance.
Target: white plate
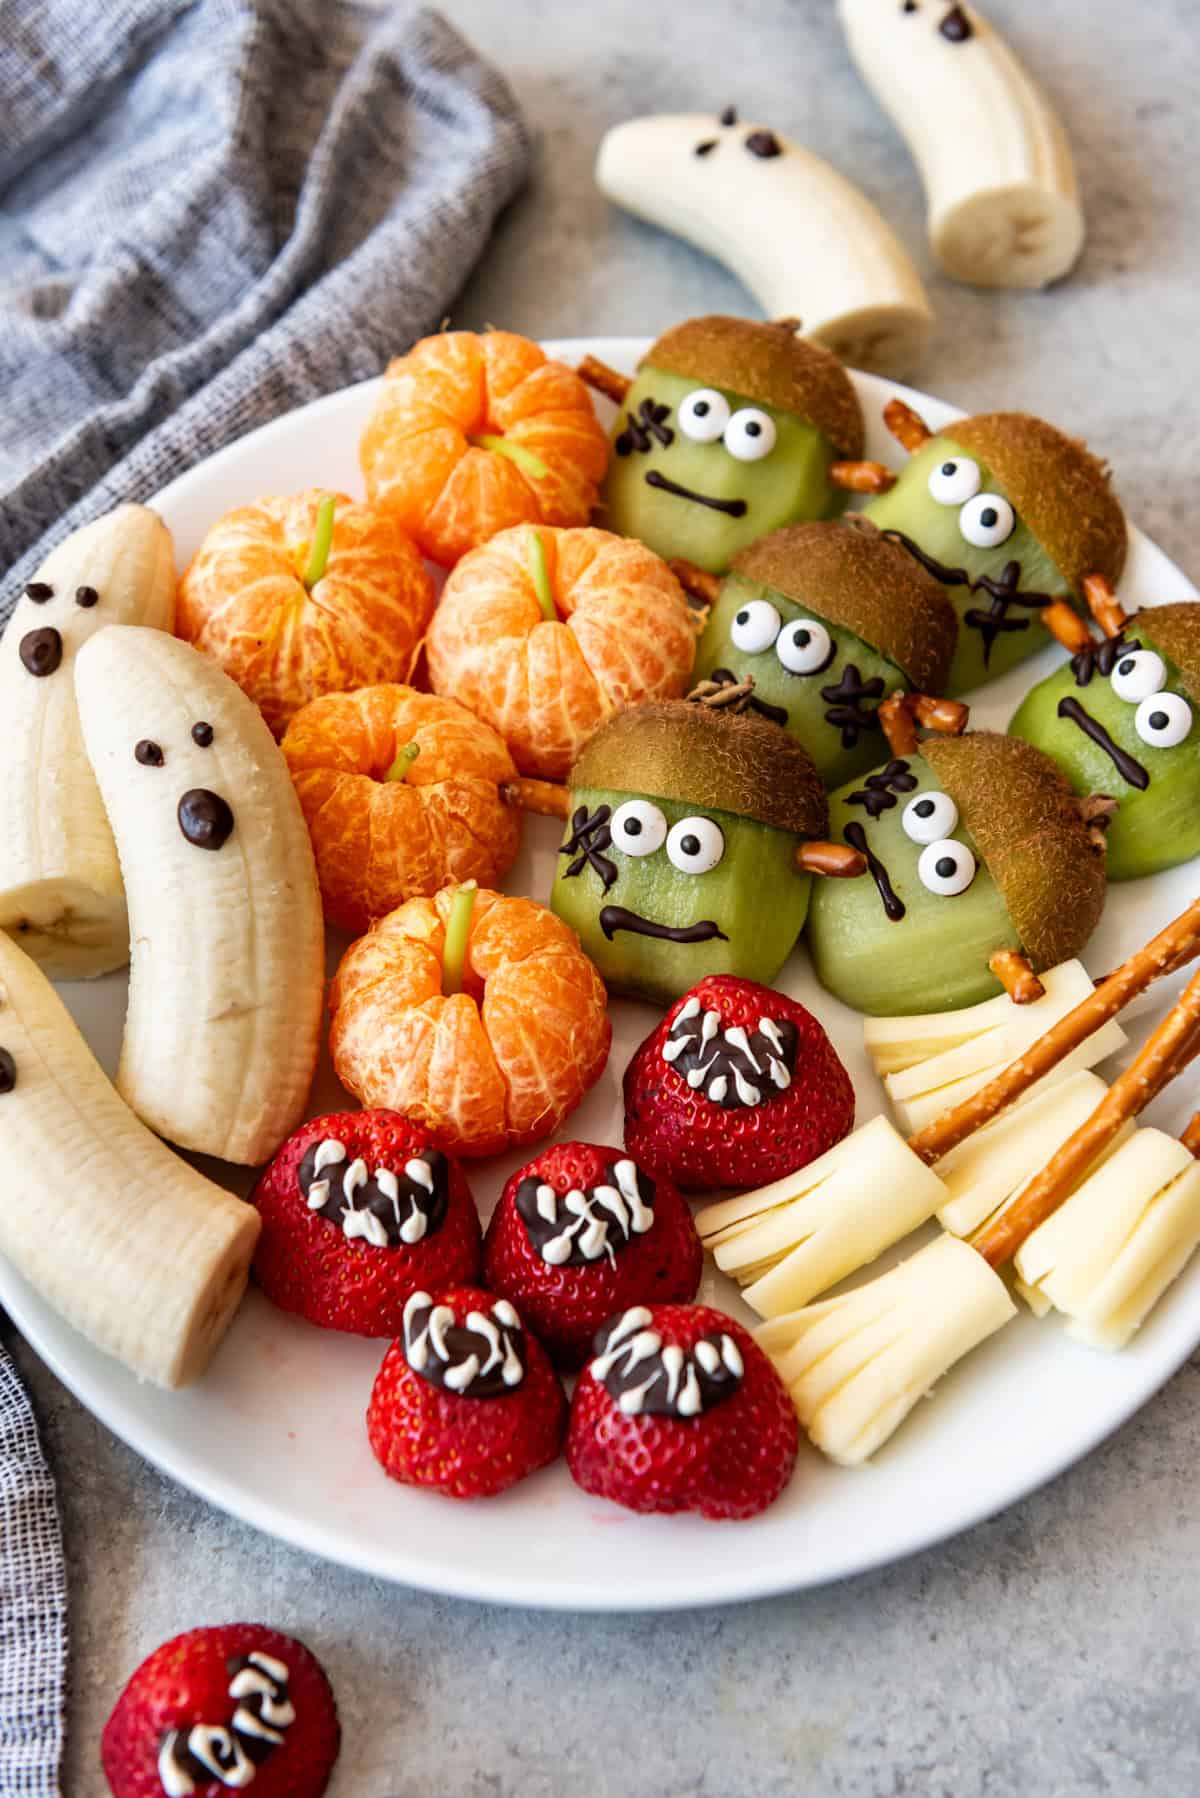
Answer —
(274, 1432)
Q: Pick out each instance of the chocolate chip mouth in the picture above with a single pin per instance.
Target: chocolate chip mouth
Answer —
(205, 819)
(41, 651)
(735, 508)
(617, 917)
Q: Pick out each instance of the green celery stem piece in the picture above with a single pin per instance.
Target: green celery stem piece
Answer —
(525, 459)
(541, 576)
(458, 929)
(318, 554)
(406, 755)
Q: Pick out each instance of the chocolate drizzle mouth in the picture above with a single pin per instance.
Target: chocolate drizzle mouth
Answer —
(387, 1208)
(616, 917)
(850, 710)
(590, 837)
(481, 1358)
(229, 1754)
(1003, 591)
(878, 792)
(735, 1068)
(574, 1229)
(735, 508)
(1130, 770)
(893, 905)
(8, 1072)
(777, 714)
(645, 1377)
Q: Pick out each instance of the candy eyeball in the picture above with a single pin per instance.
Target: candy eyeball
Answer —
(755, 627)
(638, 827)
(930, 818)
(946, 868)
(703, 415)
(750, 435)
(695, 845)
(1138, 675)
(804, 646)
(954, 482)
(987, 521)
(1164, 720)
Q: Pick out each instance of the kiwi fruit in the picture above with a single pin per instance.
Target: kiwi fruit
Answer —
(1175, 630)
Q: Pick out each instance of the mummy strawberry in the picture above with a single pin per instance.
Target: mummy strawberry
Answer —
(239, 1706)
(359, 1210)
(581, 1232)
(737, 1086)
(680, 1410)
(466, 1401)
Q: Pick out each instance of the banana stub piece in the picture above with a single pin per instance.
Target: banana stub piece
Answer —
(801, 237)
(227, 956)
(60, 881)
(1000, 187)
(856, 1365)
(134, 1248)
(791, 1240)
(1107, 1255)
(930, 1063)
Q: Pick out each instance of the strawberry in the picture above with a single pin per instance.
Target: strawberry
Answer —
(236, 1705)
(358, 1211)
(738, 1086)
(466, 1400)
(581, 1232)
(681, 1411)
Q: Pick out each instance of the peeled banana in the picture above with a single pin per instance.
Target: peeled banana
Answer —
(227, 955)
(60, 881)
(131, 1245)
(1000, 186)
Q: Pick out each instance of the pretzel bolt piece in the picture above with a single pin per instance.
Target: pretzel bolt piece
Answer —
(1016, 976)
(900, 714)
(836, 861)
(1104, 605)
(1066, 627)
(862, 477)
(544, 797)
(603, 379)
(906, 426)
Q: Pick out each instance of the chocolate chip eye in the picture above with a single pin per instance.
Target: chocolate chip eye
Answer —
(955, 481)
(929, 818)
(1164, 720)
(148, 754)
(86, 597)
(8, 1072)
(205, 819)
(946, 868)
(755, 627)
(1139, 675)
(695, 845)
(39, 592)
(202, 734)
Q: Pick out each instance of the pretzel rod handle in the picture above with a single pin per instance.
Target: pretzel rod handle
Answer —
(1162, 1056)
(1169, 950)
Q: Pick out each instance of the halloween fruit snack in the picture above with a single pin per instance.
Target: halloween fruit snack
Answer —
(546, 633)
(828, 622)
(1118, 719)
(983, 868)
(690, 846)
(359, 1210)
(60, 880)
(402, 793)
(582, 1232)
(681, 1411)
(801, 237)
(228, 952)
(466, 1401)
(237, 1705)
(1011, 516)
(135, 1249)
(477, 1016)
(472, 434)
(729, 430)
(736, 1086)
(304, 594)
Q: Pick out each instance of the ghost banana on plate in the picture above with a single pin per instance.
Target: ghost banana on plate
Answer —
(691, 840)
(985, 870)
(828, 621)
(730, 429)
(1011, 516)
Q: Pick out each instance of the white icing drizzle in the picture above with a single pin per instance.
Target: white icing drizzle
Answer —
(360, 1222)
(720, 1046)
(588, 1227)
(428, 1350)
(215, 1747)
(630, 1343)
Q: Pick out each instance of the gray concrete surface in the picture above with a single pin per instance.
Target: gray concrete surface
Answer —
(1048, 1652)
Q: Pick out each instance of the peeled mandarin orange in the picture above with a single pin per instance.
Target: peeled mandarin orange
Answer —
(497, 1065)
(401, 794)
(622, 632)
(472, 434)
(243, 601)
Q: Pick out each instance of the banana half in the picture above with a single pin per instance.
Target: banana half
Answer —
(60, 881)
(127, 1242)
(227, 944)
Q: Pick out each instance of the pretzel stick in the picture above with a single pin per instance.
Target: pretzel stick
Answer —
(906, 426)
(1066, 626)
(1160, 1059)
(697, 583)
(900, 714)
(1191, 1136)
(836, 861)
(896, 721)
(861, 477)
(542, 796)
(1016, 976)
(1104, 605)
(605, 380)
(1179, 942)
(947, 717)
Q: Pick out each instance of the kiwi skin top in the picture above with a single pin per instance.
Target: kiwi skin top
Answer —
(1026, 822)
(672, 749)
(770, 364)
(1060, 489)
(1175, 629)
(855, 578)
